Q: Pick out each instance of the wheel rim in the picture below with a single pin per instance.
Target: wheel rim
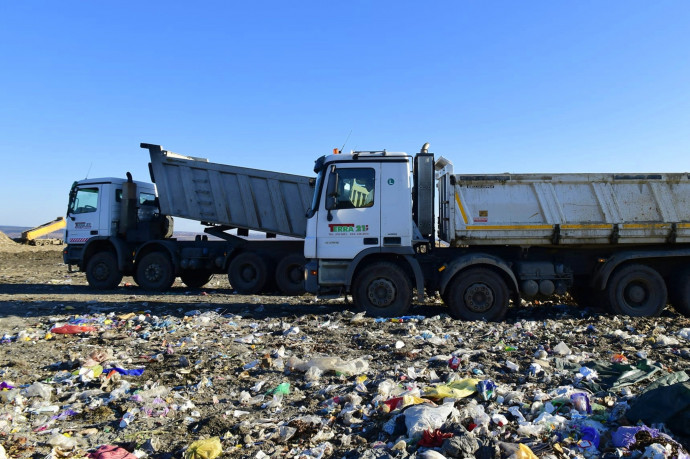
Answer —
(479, 297)
(381, 292)
(295, 274)
(635, 294)
(153, 272)
(248, 273)
(101, 272)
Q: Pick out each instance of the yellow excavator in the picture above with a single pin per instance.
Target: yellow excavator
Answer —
(32, 235)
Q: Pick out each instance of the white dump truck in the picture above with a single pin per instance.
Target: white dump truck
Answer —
(118, 227)
(382, 225)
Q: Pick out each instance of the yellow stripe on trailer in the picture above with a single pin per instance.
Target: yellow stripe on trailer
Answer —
(587, 226)
(462, 209)
(646, 225)
(511, 227)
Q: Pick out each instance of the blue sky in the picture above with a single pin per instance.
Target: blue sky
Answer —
(499, 86)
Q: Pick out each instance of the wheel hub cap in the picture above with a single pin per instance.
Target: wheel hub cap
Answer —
(248, 273)
(101, 272)
(295, 275)
(153, 272)
(479, 297)
(381, 292)
(635, 293)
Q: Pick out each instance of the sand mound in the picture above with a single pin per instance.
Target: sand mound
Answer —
(7, 244)
(5, 241)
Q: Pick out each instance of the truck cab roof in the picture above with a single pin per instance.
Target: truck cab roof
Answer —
(114, 181)
(381, 155)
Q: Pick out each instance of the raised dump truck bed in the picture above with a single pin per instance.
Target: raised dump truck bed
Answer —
(237, 197)
(32, 235)
(564, 209)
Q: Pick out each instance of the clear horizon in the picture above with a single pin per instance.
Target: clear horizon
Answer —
(494, 87)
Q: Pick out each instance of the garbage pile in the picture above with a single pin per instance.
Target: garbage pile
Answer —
(205, 383)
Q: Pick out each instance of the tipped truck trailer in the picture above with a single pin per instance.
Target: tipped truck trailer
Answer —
(33, 236)
(621, 241)
(118, 227)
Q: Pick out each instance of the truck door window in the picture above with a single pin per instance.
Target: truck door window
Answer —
(148, 207)
(147, 199)
(355, 188)
(85, 201)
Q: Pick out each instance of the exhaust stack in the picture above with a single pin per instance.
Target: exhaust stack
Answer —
(128, 206)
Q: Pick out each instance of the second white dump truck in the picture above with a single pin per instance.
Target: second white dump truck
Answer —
(117, 227)
(616, 240)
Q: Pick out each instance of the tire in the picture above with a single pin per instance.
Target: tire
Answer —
(679, 293)
(155, 272)
(102, 272)
(196, 278)
(636, 291)
(382, 289)
(290, 274)
(248, 273)
(477, 294)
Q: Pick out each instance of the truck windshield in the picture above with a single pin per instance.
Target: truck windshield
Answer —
(317, 193)
(85, 200)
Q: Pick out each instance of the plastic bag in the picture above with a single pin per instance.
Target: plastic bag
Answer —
(39, 389)
(209, 448)
(419, 418)
(72, 329)
(111, 452)
(524, 452)
(335, 364)
(456, 389)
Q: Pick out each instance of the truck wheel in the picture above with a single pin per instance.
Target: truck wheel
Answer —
(679, 293)
(102, 272)
(247, 273)
(382, 289)
(290, 274)
(636, 291)
(196, 278)
(477, 294)
(155, 272)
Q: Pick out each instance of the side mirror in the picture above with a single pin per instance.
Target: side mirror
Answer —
(332, 192)
(332, 188)
(331, 202)
(72, 198)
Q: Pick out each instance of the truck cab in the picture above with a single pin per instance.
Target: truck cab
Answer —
(104, 217)
(95, 207)
(360, 223)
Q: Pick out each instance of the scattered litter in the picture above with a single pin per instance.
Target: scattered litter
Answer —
(204, 383)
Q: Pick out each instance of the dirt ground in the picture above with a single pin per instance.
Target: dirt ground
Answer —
(216, 364)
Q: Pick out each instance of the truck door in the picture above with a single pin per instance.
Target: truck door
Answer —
(84, 213)
(396, 205)
(349, 219)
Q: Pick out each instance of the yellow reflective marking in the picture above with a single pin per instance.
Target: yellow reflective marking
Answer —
(462, 209)
(646, 225)
(510, 227)
(587, 226)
